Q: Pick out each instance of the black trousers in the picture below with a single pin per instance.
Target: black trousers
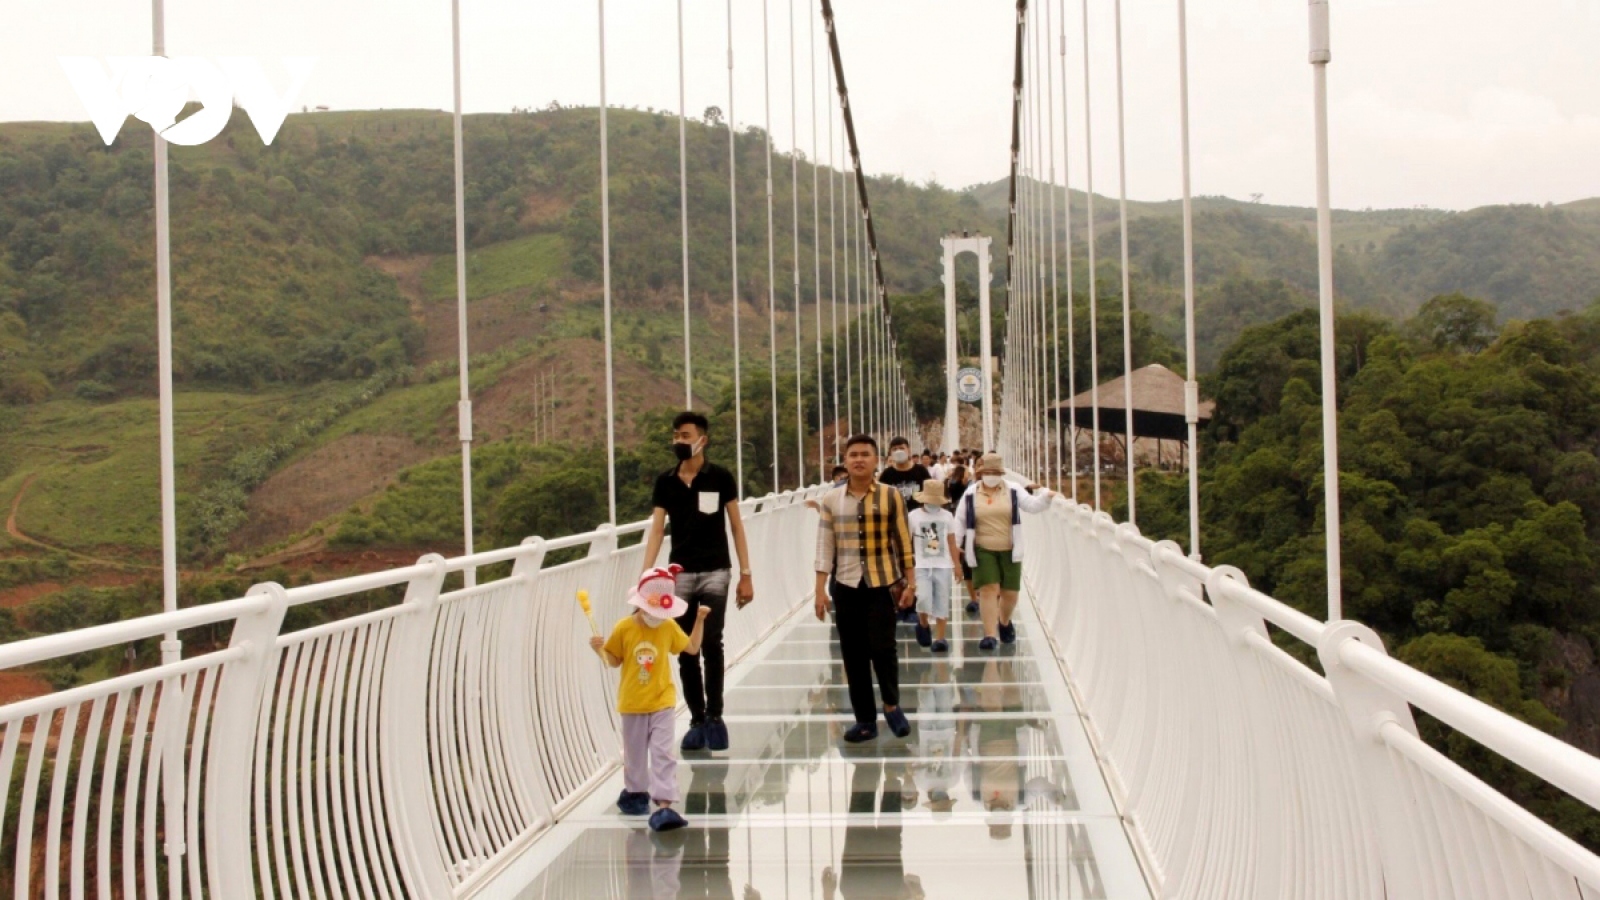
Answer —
(865, 618)
(704, 696)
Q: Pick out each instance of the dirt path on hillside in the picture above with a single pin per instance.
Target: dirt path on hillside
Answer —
(15, 533)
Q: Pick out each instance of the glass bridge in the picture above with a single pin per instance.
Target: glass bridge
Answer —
(995, 793)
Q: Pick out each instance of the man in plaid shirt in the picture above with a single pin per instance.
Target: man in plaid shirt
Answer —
(865, 561)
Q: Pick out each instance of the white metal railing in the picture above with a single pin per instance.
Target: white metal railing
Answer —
(400, 753)
(1246, 774)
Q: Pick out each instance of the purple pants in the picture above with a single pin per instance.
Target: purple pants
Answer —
(649, 754)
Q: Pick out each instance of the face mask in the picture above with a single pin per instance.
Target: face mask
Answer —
(899, 456)
(684, 452)
(993, 481)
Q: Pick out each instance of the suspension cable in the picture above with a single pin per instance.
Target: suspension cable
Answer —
(1127, 283)
(772, 263)
(605, 257)
(1008, 415)
(816, 253)
(1094, 274)
(852, 334)
(868, 230)
(1055, 285)
(683, 204)
(733, 232)
(1066, 215)
(1191, 389)
(1036, 245)
(794, 206)
(833, 277)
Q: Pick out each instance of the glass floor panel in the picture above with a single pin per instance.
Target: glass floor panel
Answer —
(1005, 666)
(996, 792)
(930, 693)
(960, 647)
(864, 858)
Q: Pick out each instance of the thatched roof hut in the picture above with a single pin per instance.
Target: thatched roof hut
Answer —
(1158, 410)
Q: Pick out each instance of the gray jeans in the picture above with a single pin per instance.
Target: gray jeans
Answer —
(704, 696)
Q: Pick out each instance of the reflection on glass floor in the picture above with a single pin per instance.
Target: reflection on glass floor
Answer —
(995, 793)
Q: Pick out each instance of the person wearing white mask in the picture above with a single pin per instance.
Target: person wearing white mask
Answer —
(904, 473)
(989, 529)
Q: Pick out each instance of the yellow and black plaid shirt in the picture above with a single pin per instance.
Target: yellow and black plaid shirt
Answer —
(866, 539)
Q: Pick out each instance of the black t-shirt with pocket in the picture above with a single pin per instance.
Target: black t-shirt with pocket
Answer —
(907, 483)
(698, 515)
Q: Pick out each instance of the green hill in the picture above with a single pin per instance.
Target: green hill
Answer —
(314, 286)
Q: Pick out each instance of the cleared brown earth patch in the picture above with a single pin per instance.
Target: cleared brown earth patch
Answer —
(493, 322)
(407, 272)
(576, 368)
(16, 686)
(323, 482)
(543, 209)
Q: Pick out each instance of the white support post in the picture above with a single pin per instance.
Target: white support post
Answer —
(464, 404)
(1191, 387)
(1321, 55)
(171, 648)
(230, 757)
(403, 737)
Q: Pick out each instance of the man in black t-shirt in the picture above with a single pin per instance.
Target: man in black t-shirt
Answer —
(701, 500)
(903, 474)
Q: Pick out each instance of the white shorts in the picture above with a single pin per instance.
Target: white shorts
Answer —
(933, 592)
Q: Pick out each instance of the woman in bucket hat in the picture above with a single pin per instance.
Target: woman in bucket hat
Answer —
(989, 527)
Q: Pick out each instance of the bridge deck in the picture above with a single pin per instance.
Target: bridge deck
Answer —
(996, 792)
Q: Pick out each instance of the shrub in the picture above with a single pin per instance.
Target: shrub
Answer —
(94, 390)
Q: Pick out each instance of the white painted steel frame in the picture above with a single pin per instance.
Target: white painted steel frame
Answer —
(1245, 774)
(403, 752)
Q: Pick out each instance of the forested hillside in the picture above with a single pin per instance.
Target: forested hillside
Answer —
(1470, 491)
(315, 322)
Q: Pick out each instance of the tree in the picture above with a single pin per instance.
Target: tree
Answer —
(1455, 323)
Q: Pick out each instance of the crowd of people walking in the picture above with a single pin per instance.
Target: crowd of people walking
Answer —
(890, 540)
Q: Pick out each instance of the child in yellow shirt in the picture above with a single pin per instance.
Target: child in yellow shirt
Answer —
(642, 645)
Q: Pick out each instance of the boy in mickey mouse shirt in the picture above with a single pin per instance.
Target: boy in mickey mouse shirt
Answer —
(642, 645)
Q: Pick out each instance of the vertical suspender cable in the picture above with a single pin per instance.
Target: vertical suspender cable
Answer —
(733, 249)
(1036, 225)
(1008, 415)
(859, 316)
(794, 211)
(816, 256)
(1191, 390)
(464, 405)
(852, 336)
(1127, 289)
(866, 240)
(1055, 286)
(772, 262)
(171, 649)
(833, 278)
(605, 268)
(1094, 274)
(1321, 55)
(683, 202)
(1066, 223)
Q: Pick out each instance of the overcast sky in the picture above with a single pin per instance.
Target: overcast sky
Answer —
(1446, 103)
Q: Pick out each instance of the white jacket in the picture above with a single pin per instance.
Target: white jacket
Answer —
(1021, 502)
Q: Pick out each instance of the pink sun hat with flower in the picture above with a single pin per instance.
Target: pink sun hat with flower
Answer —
(654, 593)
